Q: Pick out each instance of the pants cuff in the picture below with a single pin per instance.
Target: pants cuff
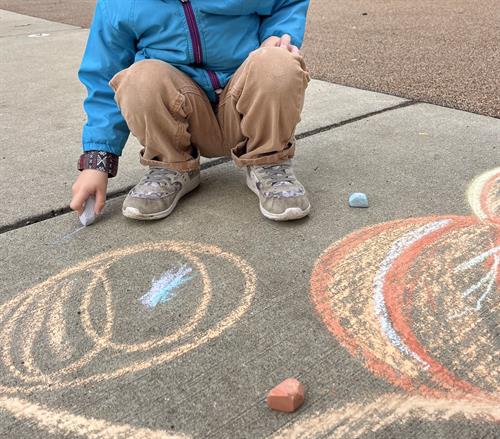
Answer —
(238, 154)
(189, 165)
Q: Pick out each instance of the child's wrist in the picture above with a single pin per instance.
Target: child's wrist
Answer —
(99, 160)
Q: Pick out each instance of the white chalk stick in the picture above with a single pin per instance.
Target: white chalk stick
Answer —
(88, 215)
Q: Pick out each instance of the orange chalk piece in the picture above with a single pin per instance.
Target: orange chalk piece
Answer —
(287, 396)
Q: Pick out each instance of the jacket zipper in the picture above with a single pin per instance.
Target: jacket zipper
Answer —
(193, 30)
(198, 54)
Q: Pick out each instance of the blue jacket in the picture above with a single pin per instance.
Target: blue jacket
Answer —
(206, 39)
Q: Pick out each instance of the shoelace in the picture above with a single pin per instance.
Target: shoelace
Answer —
(157, 177)
(277, 175)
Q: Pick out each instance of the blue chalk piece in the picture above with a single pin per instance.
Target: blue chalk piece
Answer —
(358, 199)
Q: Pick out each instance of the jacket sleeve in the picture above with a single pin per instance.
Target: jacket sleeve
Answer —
(109, 50)
(287, 17)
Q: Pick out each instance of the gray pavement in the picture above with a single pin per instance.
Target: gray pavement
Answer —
(82, 356)
(217, 388)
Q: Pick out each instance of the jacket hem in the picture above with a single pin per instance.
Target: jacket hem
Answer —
(93, 146)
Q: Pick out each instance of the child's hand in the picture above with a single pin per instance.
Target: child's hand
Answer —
(284, 42)
(89, 182)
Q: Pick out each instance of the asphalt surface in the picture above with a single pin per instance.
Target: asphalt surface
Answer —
(444, 52)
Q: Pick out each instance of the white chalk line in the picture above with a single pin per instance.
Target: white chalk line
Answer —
(395, 252)
(489, 278)
(477, 260)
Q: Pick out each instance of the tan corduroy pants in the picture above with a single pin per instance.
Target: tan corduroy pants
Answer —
(175, 122)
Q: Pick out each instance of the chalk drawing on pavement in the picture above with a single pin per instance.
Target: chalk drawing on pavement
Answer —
(356, 420)
(163, 289)
(415, 301)
(34, 322)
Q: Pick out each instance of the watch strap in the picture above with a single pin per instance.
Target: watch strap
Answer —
(99, 160)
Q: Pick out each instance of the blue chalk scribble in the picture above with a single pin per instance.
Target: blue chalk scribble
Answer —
(161, 289)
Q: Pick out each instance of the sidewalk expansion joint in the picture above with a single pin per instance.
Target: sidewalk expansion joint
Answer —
(355, 119)
(118, 193)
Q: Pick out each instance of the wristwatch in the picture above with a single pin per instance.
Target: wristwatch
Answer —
(100, 160)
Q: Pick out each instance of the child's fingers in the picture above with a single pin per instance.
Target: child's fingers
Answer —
(295, 50)
(78, 200)
(271, 42)
(100, 200)
(285, 41)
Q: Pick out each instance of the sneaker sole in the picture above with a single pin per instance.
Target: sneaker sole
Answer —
(133, 213)
(290, 214)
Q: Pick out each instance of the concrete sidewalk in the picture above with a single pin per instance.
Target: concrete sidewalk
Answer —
(373, 310)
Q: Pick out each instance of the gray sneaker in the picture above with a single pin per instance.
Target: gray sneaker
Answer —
(158, 192)
(281, 196)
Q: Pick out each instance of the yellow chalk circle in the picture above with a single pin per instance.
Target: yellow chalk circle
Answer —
(484, 196)
(39, 313)
(358, 419)
(66, 423)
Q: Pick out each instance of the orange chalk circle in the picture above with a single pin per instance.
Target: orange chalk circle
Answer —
(415, 300)
(384, 290)
(39, 313)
